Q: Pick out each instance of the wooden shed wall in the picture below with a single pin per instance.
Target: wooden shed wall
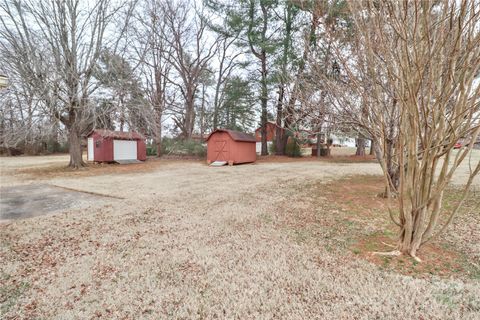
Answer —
(104, 153)
(141, 150)
(213, 147)
(105, 150)
(244, 152)
(233, 151)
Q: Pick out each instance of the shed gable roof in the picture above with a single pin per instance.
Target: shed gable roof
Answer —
(131, 135)
(235, 135)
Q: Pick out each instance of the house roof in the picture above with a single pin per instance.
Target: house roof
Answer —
(235, 135)
(130, 135)
(269, 123)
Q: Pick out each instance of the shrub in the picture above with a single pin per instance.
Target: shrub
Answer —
(189, 146)
(200, 150)
(53, 146)
(167, 145)
(272, 148)
(293, 149)
(151, 150)
(171, 146)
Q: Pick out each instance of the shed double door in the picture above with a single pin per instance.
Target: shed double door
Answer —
(124, 150)
(221, 150)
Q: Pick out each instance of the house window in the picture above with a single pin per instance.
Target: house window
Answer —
(97, 144)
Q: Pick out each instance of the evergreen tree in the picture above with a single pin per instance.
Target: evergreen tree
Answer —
(237, 111)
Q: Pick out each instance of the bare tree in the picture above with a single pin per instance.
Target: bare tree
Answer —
(228, 62)
(414, 72)
(18, 109)
(191, 52)
(292, 115)
(150, 50)
(63, 41)
(288, 20)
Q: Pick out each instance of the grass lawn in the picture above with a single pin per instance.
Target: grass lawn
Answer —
(362, 225)
(271, 240)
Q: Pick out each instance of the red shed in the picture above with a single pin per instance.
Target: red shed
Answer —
(108, 146)
(230, 146)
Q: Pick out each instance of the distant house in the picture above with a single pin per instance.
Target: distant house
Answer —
(271, 133)
(342, 140)
(338, 140)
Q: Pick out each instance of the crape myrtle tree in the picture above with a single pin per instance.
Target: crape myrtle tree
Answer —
(417, 76)
(63, 41)
(346, 81)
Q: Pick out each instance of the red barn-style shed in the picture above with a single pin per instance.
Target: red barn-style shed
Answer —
(233, 147)
(109, 146)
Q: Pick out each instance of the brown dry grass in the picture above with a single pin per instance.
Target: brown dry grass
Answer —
(332, 159)
(194, 242)
(365, 215)
(93, 169)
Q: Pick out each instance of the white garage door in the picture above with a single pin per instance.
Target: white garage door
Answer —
(124, 150)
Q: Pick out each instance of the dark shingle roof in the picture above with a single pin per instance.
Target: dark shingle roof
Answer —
(235, 135)
(131, 135)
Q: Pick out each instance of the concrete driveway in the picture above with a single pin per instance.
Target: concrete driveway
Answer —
(32, 200)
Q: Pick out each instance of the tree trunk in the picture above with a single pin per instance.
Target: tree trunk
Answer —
(319, 144)
(293, 96)
(216, 100)
(75, 149)
(360, 146)
(407, 246)
(159, 147)
(122, 113)
(122, 122)
(285, 137)
(372, 147)
(279, 149)
(392, 169)
(329, 142)
(55, 143)
(158, 139)
(264, 100)
(188, 122)
(202, 114)
(278, 130)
